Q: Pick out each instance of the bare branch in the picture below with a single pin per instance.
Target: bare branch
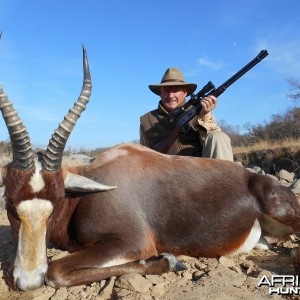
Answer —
(295, 88)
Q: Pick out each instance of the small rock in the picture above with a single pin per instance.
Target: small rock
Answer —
(295, 186)
(134, 282)
(226, 262)
(60, 294)
(76, 289)
(155, 279)
(198, 274)
(107, 289)
(285, 175)
(201, 266)
(187, 275)
(43, 293)
(158, 289)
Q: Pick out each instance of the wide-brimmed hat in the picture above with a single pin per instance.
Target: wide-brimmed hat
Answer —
(173, 76)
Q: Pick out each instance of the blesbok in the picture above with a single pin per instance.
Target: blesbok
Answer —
(130, 210)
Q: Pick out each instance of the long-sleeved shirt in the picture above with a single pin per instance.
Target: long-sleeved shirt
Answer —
(155, 126)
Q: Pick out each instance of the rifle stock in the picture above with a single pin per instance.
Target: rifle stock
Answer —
(165, 145)
(182, 115)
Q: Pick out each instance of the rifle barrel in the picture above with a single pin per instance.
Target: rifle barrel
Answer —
(184, 116)
(261, 55)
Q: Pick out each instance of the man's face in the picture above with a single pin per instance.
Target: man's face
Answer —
(172, 96)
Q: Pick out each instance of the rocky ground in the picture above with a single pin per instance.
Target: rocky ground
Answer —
(225, 278)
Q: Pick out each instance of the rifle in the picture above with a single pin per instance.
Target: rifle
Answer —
(182, 115)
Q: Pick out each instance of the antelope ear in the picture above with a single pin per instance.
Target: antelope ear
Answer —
(77, 183)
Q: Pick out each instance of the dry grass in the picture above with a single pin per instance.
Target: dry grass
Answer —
(292, 144)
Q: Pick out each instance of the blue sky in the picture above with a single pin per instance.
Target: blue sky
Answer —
(130, 44)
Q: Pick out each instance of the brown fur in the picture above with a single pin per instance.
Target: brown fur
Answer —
(181, 205)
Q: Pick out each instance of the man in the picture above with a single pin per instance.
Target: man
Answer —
(201, 137)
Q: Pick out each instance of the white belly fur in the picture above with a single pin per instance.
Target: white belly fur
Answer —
(251, 240)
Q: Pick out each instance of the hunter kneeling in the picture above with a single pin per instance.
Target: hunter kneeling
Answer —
(201, 137)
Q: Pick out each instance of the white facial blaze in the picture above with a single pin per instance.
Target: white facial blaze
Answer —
(37, 182)
(31, 257)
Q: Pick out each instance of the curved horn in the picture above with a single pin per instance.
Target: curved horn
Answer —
(53, 155)
(21, 146)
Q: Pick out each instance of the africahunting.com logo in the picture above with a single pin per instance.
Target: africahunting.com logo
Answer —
(281, 284)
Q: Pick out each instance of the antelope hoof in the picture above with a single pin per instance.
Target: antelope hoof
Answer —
(175, 265)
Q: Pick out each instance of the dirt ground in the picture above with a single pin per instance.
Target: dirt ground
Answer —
(225, 278)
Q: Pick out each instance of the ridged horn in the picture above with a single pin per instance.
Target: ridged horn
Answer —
(54, 153)
(23, 158)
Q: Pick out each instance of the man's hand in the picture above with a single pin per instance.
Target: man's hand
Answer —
(208, 104)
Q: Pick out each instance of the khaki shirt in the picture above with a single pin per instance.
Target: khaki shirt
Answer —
(155, 126)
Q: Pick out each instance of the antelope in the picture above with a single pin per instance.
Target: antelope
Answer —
(131, 210)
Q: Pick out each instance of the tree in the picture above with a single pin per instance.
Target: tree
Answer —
(295, 88)
(282, 125)
(237, 139)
